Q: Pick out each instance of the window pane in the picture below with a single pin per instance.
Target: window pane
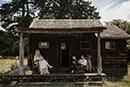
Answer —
(63, 46)
(110, 45)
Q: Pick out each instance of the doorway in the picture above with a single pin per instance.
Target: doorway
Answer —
(65, 52)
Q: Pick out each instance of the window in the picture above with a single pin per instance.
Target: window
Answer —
(63, 46)
(43, 44)
(85, 45)
(110, 45)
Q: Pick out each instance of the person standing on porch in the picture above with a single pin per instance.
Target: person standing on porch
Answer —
(89, 62)
(43, 64)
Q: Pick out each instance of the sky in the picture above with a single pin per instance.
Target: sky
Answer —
(113, 9)
(108, 9)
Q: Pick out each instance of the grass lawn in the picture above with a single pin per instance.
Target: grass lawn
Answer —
(5, 64)
(125, 82)
(115, 82)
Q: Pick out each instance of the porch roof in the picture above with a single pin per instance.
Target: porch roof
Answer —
(63, 26)
(114, 32)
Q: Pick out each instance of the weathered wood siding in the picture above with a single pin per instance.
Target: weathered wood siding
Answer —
(114, 61)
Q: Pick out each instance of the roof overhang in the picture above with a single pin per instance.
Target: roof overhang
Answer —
(60, 30)
(63, 26)
(114, 32)
(128, 37)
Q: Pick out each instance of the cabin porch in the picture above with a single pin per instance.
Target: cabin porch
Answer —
(60, 43)
(59, 53)
(58, 49)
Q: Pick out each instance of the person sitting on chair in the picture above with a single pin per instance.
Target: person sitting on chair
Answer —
(83, 62)
(43, 64)
(74, 66)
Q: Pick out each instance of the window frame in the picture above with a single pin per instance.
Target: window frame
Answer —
(63, 46)
(44, 45)
(110, 47)
(87, 42)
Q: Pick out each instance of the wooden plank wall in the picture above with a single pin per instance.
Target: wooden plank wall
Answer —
(115, 61)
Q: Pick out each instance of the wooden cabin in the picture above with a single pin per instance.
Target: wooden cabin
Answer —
(60, 39)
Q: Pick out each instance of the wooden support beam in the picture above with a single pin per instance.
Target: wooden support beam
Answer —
(21, 54)
(99, 64)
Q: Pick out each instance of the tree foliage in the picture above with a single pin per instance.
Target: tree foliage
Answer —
(68, 9)
(15, 13)
(7, 41)
(10, 44)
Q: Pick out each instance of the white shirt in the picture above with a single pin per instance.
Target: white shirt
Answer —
(83, 61)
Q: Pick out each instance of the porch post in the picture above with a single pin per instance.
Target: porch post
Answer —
(21, 54)
(99, 62)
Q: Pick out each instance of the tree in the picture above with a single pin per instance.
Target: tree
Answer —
(6, 40)
(68, 9)
(10, 44)
(15, 13)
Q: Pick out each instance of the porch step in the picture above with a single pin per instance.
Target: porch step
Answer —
(61, 83)
(59, 77)
(87, 78)
(59, 70)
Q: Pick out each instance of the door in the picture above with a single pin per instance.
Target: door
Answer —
(64, 52)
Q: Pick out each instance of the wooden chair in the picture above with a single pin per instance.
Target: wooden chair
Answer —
(77, 68)
(35, 67)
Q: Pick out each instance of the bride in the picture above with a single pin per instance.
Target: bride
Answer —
(43, 64)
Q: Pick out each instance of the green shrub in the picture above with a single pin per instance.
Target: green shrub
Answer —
(5, 79)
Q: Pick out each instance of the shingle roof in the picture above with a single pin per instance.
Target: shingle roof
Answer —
(65, 23)
(74, 26)
(114, 32)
